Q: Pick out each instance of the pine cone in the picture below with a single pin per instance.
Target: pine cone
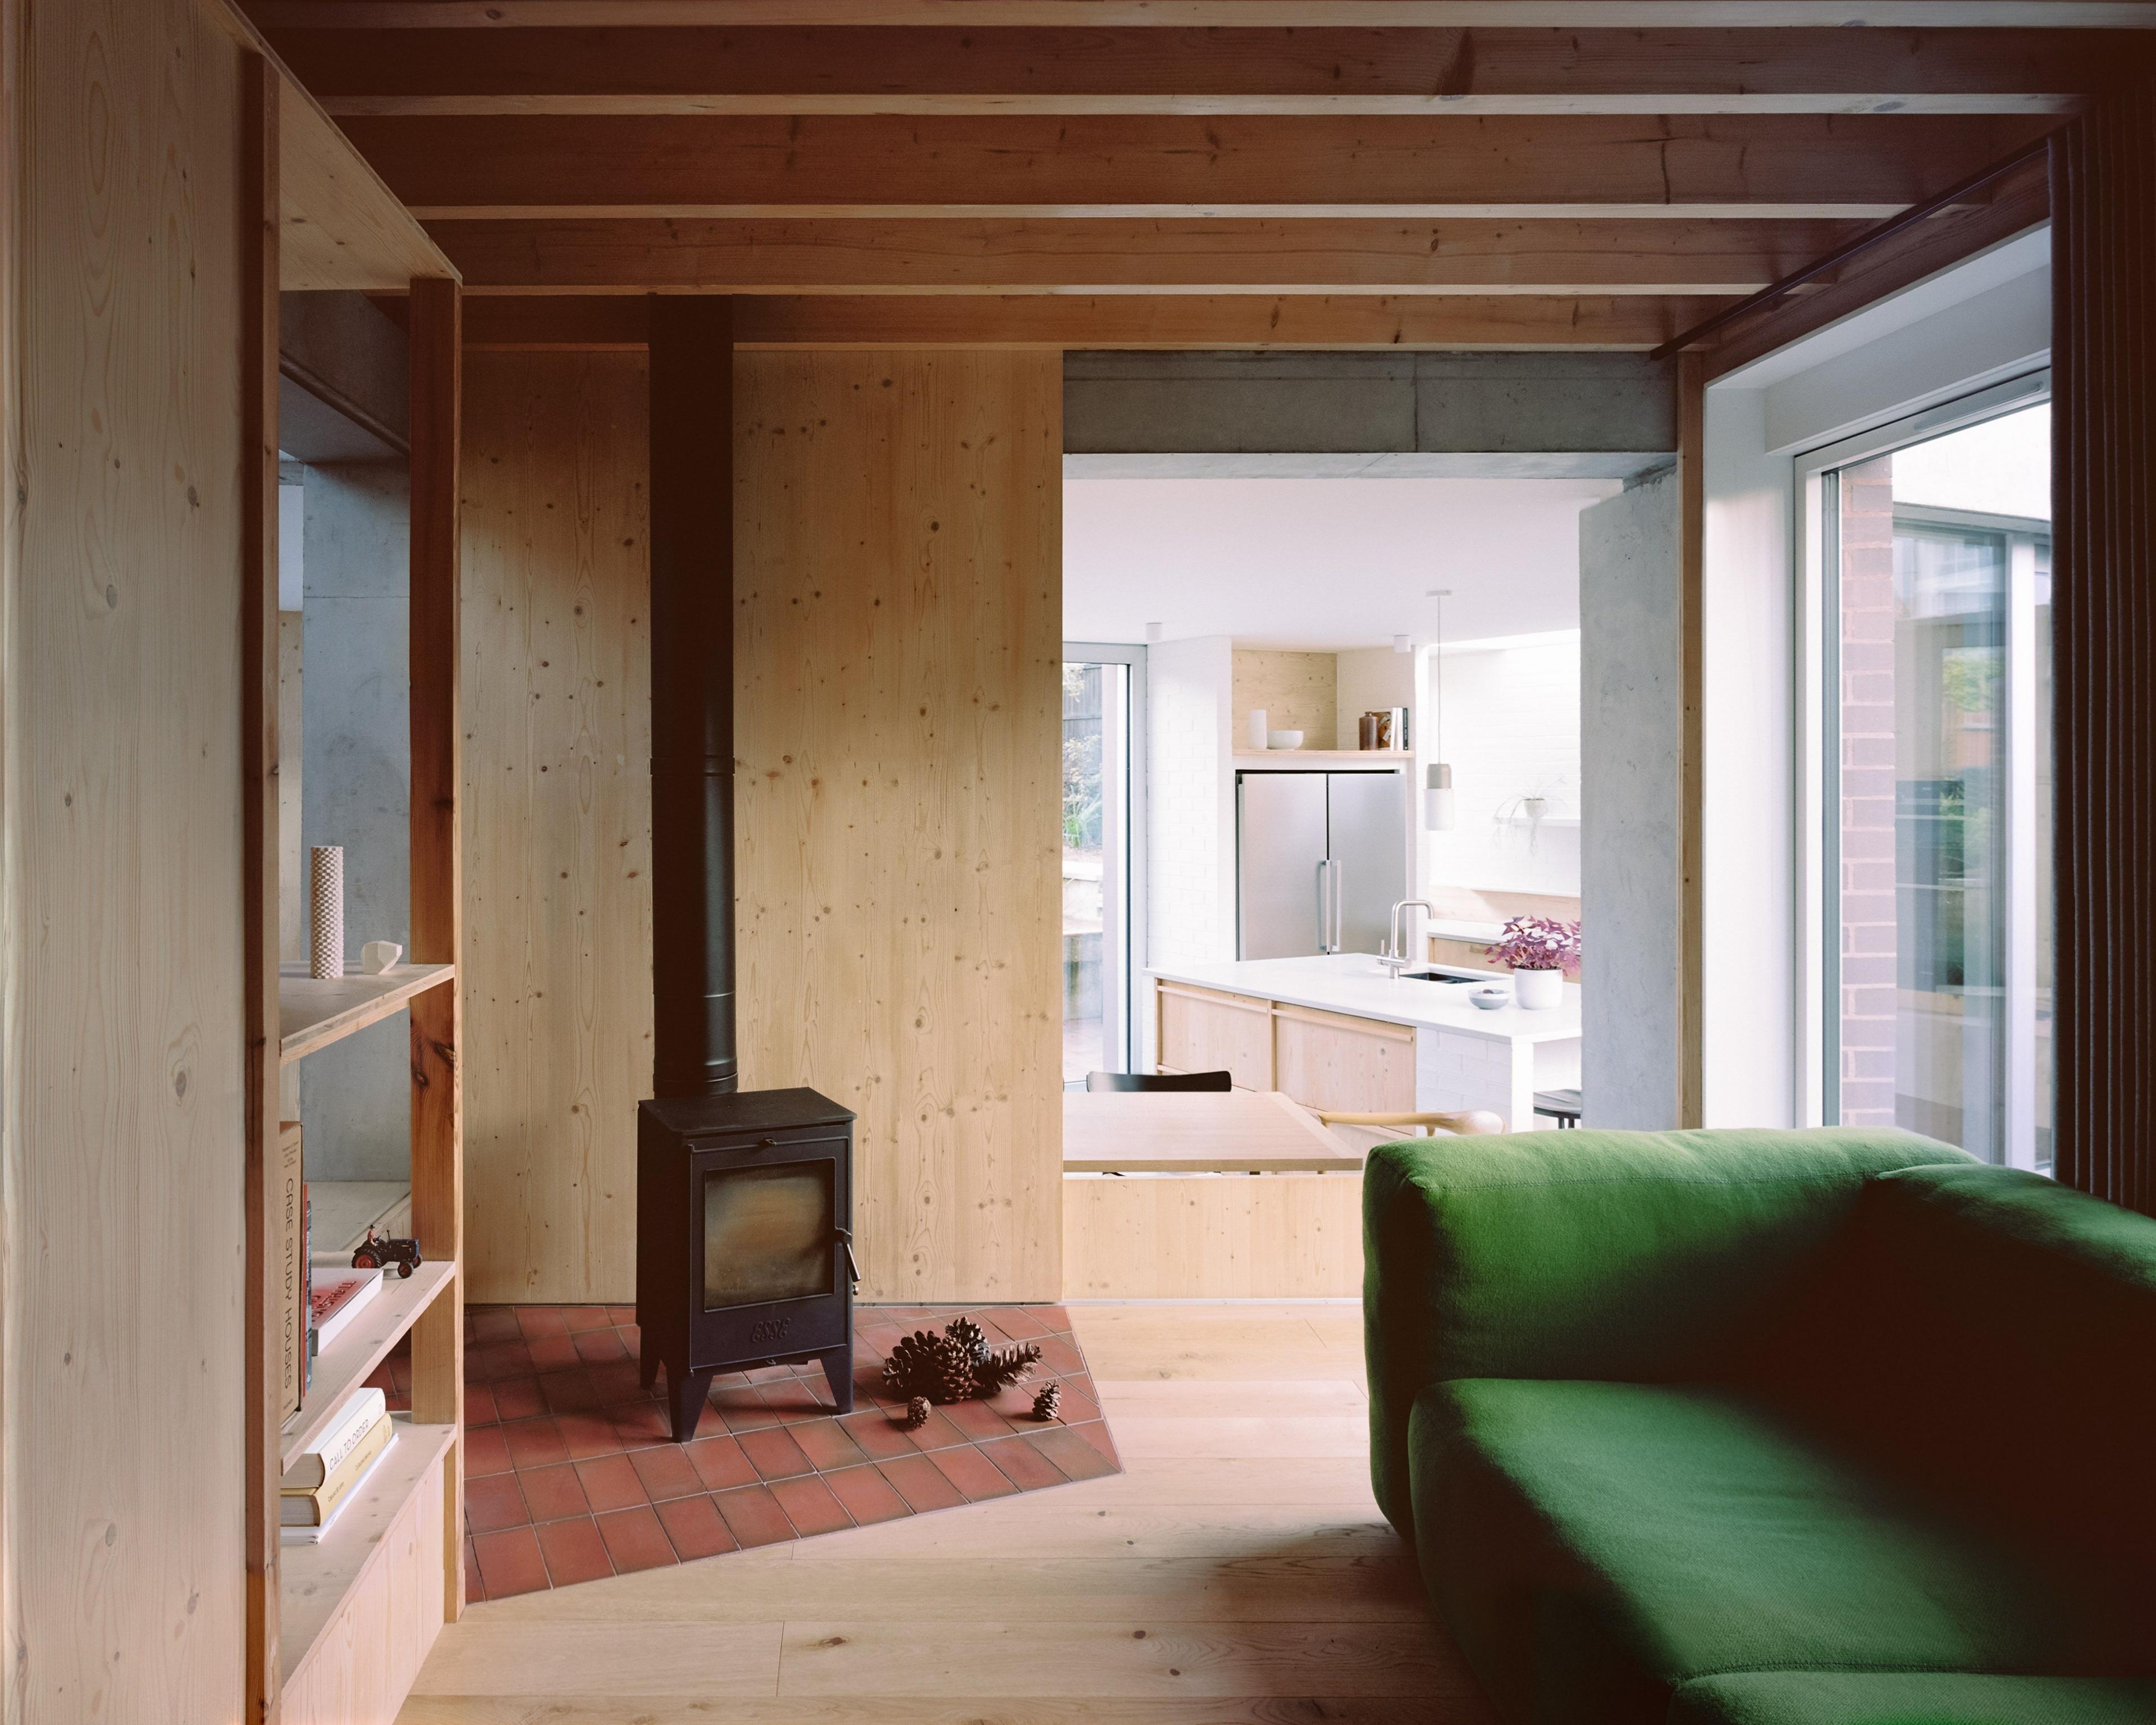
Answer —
(916, 1414)
(971, 1339)
(910, 1369)
(994, 1371)
(1049, 1404)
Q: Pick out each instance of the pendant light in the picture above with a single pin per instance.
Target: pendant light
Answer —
(1437, 795)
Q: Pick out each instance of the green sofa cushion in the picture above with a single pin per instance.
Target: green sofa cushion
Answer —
(1988, 1338)
(1908, 1698)
(1583, 1254)
(1593, 1544)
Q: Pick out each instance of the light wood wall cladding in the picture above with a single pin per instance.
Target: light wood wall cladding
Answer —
(557, 822)
(1296, 692)
(1286, 1236)
(124, 1121)
(898, 579)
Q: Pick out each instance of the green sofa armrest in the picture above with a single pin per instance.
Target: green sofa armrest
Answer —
(1638, 1256)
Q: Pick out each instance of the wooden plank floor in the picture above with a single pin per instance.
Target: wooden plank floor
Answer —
(1236, 1573)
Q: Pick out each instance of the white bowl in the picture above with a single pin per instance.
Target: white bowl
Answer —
(1283, 739)
(1490, 999)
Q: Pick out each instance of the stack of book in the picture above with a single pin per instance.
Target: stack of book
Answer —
(321, 1480)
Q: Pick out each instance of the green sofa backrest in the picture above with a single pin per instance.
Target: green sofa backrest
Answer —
(1650, 1256)
(1988, 1337)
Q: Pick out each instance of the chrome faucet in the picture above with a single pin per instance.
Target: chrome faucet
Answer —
(1395, 955)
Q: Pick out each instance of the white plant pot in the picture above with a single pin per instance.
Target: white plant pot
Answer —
(1538, 990)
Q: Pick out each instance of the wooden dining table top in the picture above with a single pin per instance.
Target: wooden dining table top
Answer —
(1197, 1132)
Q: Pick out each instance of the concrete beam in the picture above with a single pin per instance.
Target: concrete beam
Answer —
(344, 385)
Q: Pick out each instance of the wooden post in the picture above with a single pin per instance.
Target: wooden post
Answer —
(1692, 667)
(261, 89)
(438, 1351)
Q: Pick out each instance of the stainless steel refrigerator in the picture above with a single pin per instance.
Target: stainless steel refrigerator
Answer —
(1320, 860)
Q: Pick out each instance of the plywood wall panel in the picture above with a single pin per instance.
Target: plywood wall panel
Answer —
(557, 815)
(124, 1118)
(898, 540)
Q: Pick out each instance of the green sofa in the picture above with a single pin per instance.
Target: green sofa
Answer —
(1768, 1428)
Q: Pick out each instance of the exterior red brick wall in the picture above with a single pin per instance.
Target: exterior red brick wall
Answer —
(1866, 894)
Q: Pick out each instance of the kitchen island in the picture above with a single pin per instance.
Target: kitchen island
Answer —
(1336, 1032)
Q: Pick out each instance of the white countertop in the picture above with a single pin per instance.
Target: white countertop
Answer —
(1356, 983)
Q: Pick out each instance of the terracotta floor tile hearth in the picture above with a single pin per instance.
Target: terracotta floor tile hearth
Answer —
(571, 1475)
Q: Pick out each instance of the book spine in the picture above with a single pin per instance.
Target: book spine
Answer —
(291, 1297)
(366, 1409)
(318, 1505)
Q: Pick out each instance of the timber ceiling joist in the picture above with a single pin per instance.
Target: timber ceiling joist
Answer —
(1194, 172)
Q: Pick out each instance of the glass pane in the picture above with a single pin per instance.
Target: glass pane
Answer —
(1942, 748)
(768, 1234)
(1095, 876)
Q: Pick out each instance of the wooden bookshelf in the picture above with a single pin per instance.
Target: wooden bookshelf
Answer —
(313, 1011)
(347, 1361)
(318, 1581)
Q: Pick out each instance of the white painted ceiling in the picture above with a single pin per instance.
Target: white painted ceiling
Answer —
(1323, 564)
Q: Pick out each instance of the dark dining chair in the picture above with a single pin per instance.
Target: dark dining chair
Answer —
(1159, 1080)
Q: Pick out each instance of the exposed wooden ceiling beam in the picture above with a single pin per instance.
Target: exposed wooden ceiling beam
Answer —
(1669, 256)
(1238, 321)
(1241, 14)
(1839, 167)
(765, 70)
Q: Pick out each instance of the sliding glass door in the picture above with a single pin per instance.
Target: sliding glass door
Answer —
(1103, 723)
(1935, 775)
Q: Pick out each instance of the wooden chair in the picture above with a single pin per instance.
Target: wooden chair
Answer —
(1465, 1122)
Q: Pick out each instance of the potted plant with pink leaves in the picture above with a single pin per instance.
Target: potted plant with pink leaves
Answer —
(1539, 950)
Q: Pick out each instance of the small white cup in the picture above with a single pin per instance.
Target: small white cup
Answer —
(379, 957)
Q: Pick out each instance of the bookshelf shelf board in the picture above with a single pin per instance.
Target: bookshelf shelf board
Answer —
(344, 1365)
(1289, 760)
(315, 1580)
(312, 1012)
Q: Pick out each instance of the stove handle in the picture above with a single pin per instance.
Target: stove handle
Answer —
(853, 1267)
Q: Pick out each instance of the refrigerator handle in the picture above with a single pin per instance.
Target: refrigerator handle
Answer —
(1339, 907)
(1323, 864)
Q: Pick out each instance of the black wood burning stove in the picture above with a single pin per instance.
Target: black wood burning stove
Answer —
(744, 1202)
(744, 1236)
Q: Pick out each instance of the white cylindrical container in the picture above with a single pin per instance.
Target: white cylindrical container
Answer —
(1538, 990)
(1255, 729)
(326, 927)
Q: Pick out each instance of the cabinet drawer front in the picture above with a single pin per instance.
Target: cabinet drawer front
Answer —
(1202, 1031)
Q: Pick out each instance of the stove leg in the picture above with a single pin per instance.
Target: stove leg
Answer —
(838, 1363)
(647, 1368)
(687, 1392)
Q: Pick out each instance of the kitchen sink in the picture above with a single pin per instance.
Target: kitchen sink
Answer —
(1448, 976)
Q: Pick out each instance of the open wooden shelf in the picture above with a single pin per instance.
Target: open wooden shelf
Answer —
(313, 1012)
(345, 1364)
(315, 1580)
(1372, 760)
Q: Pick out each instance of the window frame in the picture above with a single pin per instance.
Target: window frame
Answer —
(1121, 997)
(1815, 543)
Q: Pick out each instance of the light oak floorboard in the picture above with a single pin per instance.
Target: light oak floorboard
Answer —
(1236, 1573)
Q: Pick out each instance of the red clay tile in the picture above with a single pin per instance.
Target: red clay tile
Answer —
(540, 1321)
(518, 1398)
(493, 1502)
(920, 1482)
(552, 1353)
(587, 1435)
(719, 1463)
(485, 1452)
(1070, 1452)
(1015, 1321)
(509, 1563)
(938, 1433)
(594, 1346)
(1028, 1470)
(867, 1495)
(809, 1505)
(638, 1424)
(976, 1420)
(478, 1406)
(616, 1380)
(474, 1583)
(534, 1443)
(753, 1517)
(973, 1473)
(1095, 1432)
(586, 1317)
(877, 1435)
(609, 1483)
(1076, 1407)
(773, 1453)
(491, 1323)
(621, 1315)
(491, 1361)
(635, 1541)
(1058, 1355)
(572, 1391)
(1054, 1316)
(666, 1471)
(742, 1408)
(553, 1493)
(696, 1527)
(825, 1444)
(797, 1398)
(574, 1551)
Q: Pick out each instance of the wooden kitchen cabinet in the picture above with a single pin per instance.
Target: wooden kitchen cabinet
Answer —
(1202, 1030)
(1325, 1060)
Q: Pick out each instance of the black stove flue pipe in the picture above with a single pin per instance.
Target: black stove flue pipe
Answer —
(692, 696)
